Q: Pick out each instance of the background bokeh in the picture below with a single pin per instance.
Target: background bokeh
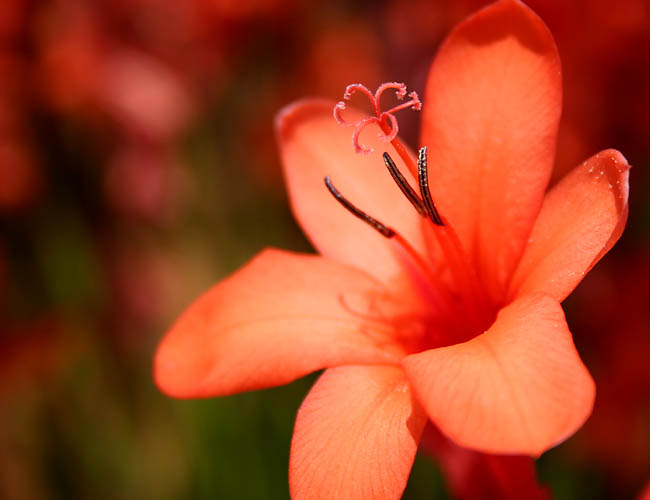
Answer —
(138, 166)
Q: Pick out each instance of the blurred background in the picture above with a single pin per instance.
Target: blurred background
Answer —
(138, 167)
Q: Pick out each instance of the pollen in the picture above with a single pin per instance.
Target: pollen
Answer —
(385, 119)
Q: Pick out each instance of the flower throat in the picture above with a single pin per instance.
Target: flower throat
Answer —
(467, 297)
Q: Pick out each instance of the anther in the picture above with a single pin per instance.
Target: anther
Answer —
(372, 222)
(413, 262)
(424, 188)
(404, 186)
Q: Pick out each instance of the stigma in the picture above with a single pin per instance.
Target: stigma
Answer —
(385, 119)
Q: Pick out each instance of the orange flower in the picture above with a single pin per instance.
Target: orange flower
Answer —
(450, 311)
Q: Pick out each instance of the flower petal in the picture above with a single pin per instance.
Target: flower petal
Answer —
(519, 388)
(581, 219)
(356, 435)
(491, 113)
(313, 145)
(278, 318)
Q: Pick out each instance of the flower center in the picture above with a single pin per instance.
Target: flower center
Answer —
(460, 306)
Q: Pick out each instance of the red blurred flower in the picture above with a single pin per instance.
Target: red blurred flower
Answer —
(21, 177)
(616, 438)
(339, 55)
(471, 475)
(145, 182)
(143, 281)
(12, 14)
(235, 10)
(143, 95)
(456, 318)
(71, 45)
(645, 494)
(29, 352)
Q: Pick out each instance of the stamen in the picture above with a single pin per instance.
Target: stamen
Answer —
(357, 212)
(385, 119)
(404, 186)
(424, 188)
(421, 272)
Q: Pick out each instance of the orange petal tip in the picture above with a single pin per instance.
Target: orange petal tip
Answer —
(293, 113)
